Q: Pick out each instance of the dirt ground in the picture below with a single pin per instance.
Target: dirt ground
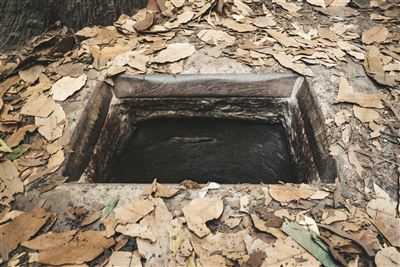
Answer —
(350, 55)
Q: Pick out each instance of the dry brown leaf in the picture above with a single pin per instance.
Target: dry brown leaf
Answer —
(183, 18)
(31, 74)
(382, 204)
(49, 240)
(375, 34)
(320, 3)
(365, 114)
(141, 230)
(71, 69)
(10, 183)
(91, 219)
(291, 7)
(261, 225)
(123, 259)
(264, 21)
(387, 257)
(157, 253)
(52, 127)
(56, 160)
(19, 135)
(201, 210)
(115, 70)
(84, 247)
(354, 161)
(374, 65)
(160, 190)
(38, 105)
(332, 215)
(145, 23)
(20, 229)
(44, 84)
(287, 61)
(67, 86)
(289, 192)
(389, 226)
(236, 26)
(102, 56)
(175, 52)
(284, 252)
(214, 37)
(342, 117)
(283, 39)
(134, 210)
(346, 94)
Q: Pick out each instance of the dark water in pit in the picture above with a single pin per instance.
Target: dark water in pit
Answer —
(205, 149)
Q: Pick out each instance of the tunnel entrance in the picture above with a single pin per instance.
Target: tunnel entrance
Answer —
(223, 128)
(205, 149)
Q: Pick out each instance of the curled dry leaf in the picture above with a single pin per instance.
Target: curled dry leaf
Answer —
(175, 52)
(199, 211)
(145, 23)
(67, 86)
(214, 37)
(332, 215)
(38, 105)
(375, 34)
(141, 230)
(346, 94)
(134, 210)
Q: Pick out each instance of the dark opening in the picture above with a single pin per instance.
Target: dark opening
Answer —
(205, 149)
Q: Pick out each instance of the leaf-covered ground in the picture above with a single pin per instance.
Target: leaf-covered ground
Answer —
(351, 55)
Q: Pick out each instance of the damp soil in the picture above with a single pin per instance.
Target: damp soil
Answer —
(205, 149)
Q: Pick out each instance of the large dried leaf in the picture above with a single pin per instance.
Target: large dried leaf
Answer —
(239, 27)
(289, 192)
(145, 23)
(52, 127)
(365, 114)
(389, 226)
(320, 3)
(134, 210)
(283, 38)
(157, 253)
(214, 37)
(20, 229)
(291, 7)
(142, 230)
(199, 211)
(31, 74)
(84, 247)
(382, 204)
(67, 86)
(49, 240)
(102, 56)
(354, 161)
(374, 66)
(10, 183)
(38, 105)
(175, 52)
(183, 18)
(19, 135)
(287, 61)
(123, 259)
(346, 94)
(375, 34)
(387, 257)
